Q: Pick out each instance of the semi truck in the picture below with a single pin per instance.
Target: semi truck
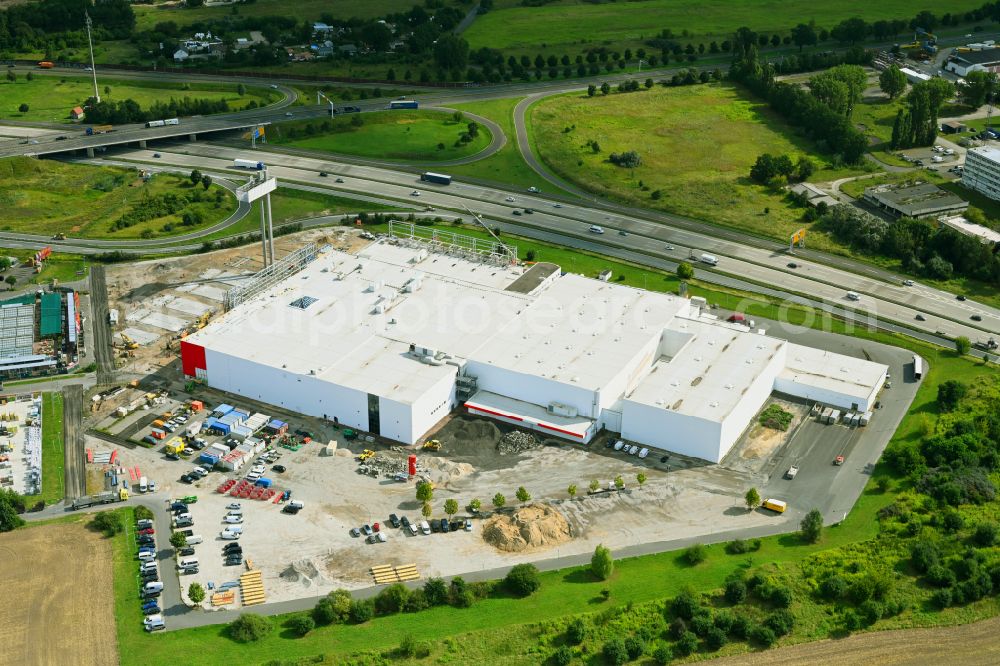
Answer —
(439, 178)
(100, 129)
(403, 104)
(45, 64)
(709, 259)
(248, 164)
(161, 123)
(100, 498)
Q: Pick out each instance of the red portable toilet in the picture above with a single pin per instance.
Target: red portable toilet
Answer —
(412, 463)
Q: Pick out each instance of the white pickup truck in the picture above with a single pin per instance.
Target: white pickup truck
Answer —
(792, 471)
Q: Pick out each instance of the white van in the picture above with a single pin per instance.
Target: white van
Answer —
(194, 539)
(234, 529)
(594, 229)
(147, 556)
(296, 504)
(152, 586)
(853, 296)
(147, 566)
(187, 563)
(143, 485)
(154, 623)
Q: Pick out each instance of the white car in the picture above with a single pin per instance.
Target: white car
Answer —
(533, 189)
(594, 229)
(633, 450)
(288, 114)
(152, 486)
(415, 193)
(557, 205)
(644, 452)
(201, 471)
(233, 519)
(229, 536)
(234, 506)
(907, 283)
(425, 527)
(253, 476)
(619, 445)
(511, 199)
(258, 469)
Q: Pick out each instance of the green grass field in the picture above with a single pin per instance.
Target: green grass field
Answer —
(47, 197)
(413, 136)
(53, 461)
(148, 16)
(697, 145)
(511, 26)
(50, 98)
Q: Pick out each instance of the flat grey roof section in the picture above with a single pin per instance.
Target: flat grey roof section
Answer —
(532, 278)
(17, 328)
(916, 200)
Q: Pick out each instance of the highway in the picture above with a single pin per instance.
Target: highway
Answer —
(944, 315)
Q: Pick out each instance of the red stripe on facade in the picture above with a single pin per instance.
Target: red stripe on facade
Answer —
(192, 358)
(565, 432)
(490, 411)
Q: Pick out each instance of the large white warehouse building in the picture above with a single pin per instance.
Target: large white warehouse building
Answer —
(392, 339)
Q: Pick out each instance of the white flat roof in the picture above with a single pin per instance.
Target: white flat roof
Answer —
(989, 152)
(710, 373)
(846, 375)
(493, 404)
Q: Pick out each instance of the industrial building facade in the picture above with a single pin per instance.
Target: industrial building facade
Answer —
(392, 339)
(982, 171)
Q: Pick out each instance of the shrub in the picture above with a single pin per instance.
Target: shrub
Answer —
(736, 591)
(833, 588)
(362, 610)
(301, 624)
(741, 627)
(436, 591)
(696, 554)
(417, 601)
(663, 654)
(941, 599)
(563, 656)
(924, 555)
(392, 599)
(871, 612)
(686, 644)
(940, 576)
(852, 621)
(143, 513)
(108, 522)
(601, 564)
(862, 589)
(522, 579)
(685, 604)
(763, 636)
(700, 624)
(677, 628)
(740, 546)
(629, 159)
(780, 622)
(576, 632)
(723, 620)
(776, 418)
(635, 647)
(615, 652)
(249, 627)
(985, 534)
(715, 638)
(812, 526)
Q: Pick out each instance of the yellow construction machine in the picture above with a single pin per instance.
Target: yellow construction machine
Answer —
(432, 445)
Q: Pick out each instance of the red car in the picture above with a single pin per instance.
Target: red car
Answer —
(839, 460)
(148, 530)
(375, 527)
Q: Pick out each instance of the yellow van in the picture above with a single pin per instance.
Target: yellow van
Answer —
(775, 505)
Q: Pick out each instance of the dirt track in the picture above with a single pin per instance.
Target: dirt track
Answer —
(971, 644)
(57, 590)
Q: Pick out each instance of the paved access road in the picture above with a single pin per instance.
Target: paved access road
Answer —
(104, 352)
(764, 266)
(74, 463)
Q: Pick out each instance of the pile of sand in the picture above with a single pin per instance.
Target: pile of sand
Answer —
(530, 528)
(303, 571)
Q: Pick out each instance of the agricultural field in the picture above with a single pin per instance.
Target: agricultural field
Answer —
(413, 136)
(148, 16)
(697, 144)
(61, 578)
(513, 27)
(47, 197)
(51, 98)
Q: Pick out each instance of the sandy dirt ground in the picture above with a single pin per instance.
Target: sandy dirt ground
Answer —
(969, 644)
(57, 605)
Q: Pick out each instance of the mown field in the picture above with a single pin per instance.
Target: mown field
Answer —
(697, 144)
(53, 459)
(50, 98)
(148, 16)
(47, 197)
(571, 26)
(414, 136)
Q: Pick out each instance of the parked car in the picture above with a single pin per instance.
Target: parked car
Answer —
(280, 469)
(792, 471)
(619, 445)
(632, 450)
(377, 538)
(366, 529)
(186, 552)
(468, 525)
(394, 520)
(424, 527)
(187, 478)
(229, 536)
(233, 519)
(444, 525)
(643, 452)
(355, 532)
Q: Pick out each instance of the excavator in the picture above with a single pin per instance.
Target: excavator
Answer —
(128, 343)
(432, 445)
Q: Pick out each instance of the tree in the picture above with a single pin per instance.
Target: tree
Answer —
(978, 88)
(9, 520)
(615, 652)
(206, 181)
(619, 482)
(685, 271)
(850, 31)
(949, 393)
(499, 500)
(805, 168)
(392, 599)
(594, 485)
(11, 75)
(250, 627)
(831, 91)
(522, 579)
(602, 565)
(522, 495)
(108, 522)
(196, 593)
(892, 82)
(451, 52)
(605, 88)
(178, 540)
(475, 505)
(362, 610)
(591, 90)
(23, 108)
(962, 344)
(804, 35)
(811, 527)
(11, 281)
(301, 624)
(425, 491)
(640, 479)
(426, 510)
(752, 499)
(241, 89)
(450, 507)
(436, 592)
(195, 177)
(571, 491)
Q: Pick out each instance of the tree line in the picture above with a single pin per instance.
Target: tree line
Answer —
(38, 25)
(130, 111)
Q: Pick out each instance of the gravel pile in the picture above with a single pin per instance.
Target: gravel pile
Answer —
(516, 442)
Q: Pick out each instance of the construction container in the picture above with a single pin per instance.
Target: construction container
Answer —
(865, 418)
(824, 416)
(835, 416)
(277, 427)
(197, 405)
(209, 457)
(263, 482)
(157, 433)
